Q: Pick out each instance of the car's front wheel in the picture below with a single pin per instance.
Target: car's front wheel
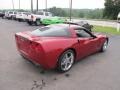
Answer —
(104, 46)
(37, 23)
(66, 61)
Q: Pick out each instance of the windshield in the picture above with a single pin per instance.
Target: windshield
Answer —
(50, 31)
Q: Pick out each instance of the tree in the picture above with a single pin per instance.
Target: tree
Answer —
(57, 11)
(78, 13)
(112, 8)
(81, 15)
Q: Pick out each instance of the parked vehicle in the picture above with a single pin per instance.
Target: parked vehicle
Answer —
(83, 24)
(10, 14)
(37, 17)
(52, 20)
(59, 46)
(2, 14)
(118, 18)
(22, 16)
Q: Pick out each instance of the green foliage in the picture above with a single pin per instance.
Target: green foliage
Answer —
(112, 8)
(107, 30)
(81, 15)
(78, 13)
(57, 11)
(94, 14)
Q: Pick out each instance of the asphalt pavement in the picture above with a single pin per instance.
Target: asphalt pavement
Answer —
(100, 71)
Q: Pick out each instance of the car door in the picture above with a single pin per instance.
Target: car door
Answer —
(88, 44)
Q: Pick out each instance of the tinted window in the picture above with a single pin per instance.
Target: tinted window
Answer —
(82, 33)
(46, 14)
(39, 13)
(51, 31)
(27, 13)
(15, 12)
(10, 12)
(19, 13)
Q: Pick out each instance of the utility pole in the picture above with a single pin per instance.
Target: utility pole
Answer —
(37, 6)
(19, 4)
(13, 4)
(46, 5)
(31, 5)
(70, 10)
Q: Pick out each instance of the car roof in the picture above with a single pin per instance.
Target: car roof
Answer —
(67, 26)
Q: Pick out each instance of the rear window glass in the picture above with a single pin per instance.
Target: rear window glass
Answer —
(40, 13)
(46, 14)
(15, 12)
(51, 32)
(19, 13)
(27, 13)
(10, 12)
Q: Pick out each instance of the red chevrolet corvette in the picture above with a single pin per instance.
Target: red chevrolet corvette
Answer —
(59, 46)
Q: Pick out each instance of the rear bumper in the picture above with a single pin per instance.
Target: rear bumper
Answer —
(40, 61)
(37, 55)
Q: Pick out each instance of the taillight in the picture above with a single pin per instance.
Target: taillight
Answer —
(35, 47)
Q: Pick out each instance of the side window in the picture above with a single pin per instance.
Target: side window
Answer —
(82, 33)
(40, 13)
(46, 14)
(15, 12)
(10, 12)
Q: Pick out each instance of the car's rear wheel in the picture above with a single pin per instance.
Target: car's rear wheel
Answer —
(37, 23)
(19, 20)
(66, 61)
(104, 46)
(30, 23)
(11, 17)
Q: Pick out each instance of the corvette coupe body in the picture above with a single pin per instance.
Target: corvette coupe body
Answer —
(59, 46)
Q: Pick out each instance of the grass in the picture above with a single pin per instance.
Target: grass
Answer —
(106, 30)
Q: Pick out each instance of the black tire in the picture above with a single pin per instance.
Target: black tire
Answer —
(12, 18)
(2, 17)
(104, 46)
(37, 22)
(19, 20)
(61, 60)
(30, 23)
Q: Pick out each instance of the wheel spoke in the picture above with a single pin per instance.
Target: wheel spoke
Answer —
(63, 62)
(67, 61)
(66, 66)
(105, 45)
(66, 56)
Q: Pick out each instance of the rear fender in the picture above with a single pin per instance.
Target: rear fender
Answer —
(54, 49)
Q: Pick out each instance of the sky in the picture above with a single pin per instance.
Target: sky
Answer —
(77, 4)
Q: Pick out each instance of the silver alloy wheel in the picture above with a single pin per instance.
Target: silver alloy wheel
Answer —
(105, 45)
(67, 61)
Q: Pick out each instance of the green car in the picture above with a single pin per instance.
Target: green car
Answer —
(53, 20)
